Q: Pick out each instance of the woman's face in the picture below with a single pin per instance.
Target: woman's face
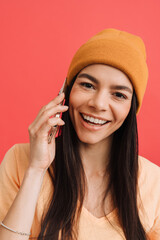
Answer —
(99, 102)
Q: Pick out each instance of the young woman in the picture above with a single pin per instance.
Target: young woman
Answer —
(89, 182)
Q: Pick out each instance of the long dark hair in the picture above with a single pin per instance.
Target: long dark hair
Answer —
(68, 180)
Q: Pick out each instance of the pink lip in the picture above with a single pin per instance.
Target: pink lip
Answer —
(92, 127)
(90, 115)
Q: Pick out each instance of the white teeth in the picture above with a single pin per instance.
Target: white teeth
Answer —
(93, 120)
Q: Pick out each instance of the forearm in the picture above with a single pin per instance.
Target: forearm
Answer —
(21, 214)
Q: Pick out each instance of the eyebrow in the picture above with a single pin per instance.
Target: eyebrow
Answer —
(114, 87)
(121, 87)
(85, 75)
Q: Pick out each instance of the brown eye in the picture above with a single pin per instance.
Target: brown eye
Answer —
(87, 85)
(120, 95)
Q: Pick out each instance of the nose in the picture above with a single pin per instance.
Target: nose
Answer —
(100, 101)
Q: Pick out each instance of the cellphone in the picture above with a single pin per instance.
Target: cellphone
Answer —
(62, 90)
(55, 128)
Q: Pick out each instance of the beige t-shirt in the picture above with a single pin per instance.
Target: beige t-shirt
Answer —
(12, 170)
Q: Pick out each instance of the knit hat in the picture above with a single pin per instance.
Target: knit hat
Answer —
(118, 49)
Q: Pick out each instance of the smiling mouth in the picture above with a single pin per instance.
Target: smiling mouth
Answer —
(93, 121)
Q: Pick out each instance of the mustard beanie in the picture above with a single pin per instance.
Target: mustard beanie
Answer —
(118, 49)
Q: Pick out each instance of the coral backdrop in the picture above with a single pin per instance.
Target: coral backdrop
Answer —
(37, 41)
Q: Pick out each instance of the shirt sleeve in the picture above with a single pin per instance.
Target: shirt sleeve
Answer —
(9, 182)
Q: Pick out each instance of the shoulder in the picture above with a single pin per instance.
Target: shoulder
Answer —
(16, 151)
(149, 192)
(148, 171)
(145, 162)
(149, 176)
(16, 160)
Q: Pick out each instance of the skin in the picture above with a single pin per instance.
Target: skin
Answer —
(41, 156)
(109, 98)
(101, 99)
(105, 93)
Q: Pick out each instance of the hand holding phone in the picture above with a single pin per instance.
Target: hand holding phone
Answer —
(42, 132)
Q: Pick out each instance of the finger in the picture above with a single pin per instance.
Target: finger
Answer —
(53, 130)
(49, 113)
(56, 101)
(43, 132)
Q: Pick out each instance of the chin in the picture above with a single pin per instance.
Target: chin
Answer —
(90, 140)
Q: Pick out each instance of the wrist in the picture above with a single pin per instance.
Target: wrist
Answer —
(35, 172)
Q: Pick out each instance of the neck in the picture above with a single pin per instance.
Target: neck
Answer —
(95, 157)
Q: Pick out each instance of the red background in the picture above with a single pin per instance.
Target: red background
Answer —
(37, 42)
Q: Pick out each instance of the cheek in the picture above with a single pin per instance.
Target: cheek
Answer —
(76, 98)
(72, 102)
(122, 112)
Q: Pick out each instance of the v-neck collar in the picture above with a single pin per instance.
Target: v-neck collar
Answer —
(110, 215)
